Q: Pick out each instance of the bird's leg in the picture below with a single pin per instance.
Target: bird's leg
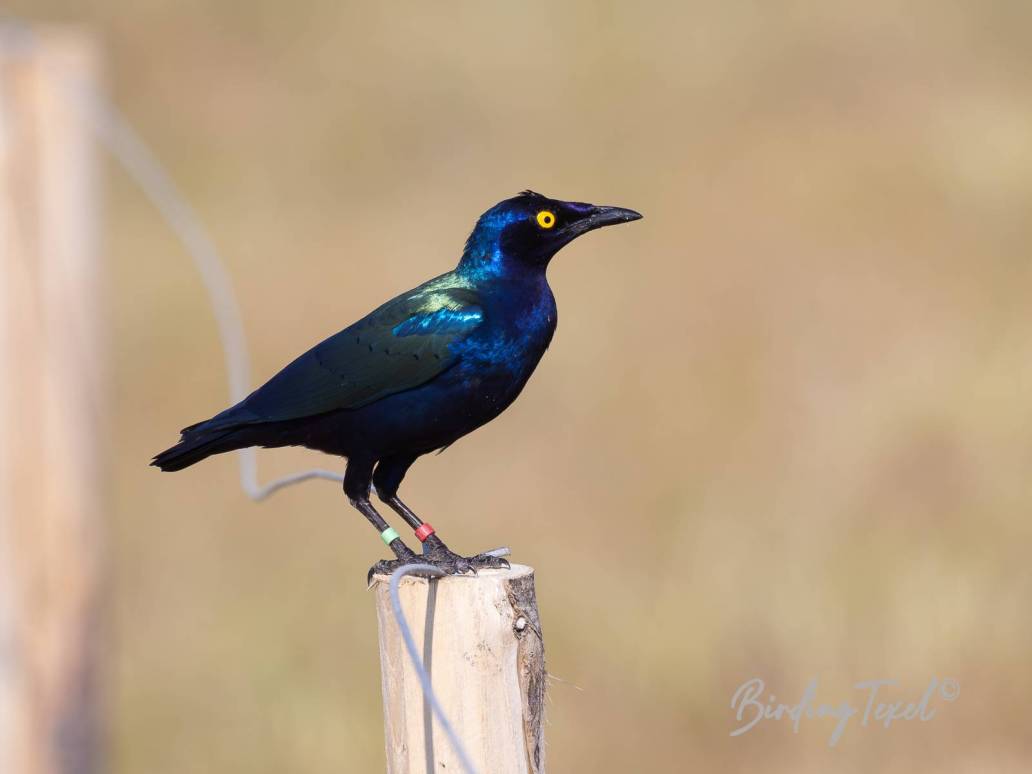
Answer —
(389, 536)
(387, 478)
(387, 533)
(357, 485)
(434, 549)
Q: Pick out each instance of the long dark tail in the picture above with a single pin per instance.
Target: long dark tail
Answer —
(191, 449)
(200, 441)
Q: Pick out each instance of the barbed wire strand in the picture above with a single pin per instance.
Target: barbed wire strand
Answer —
(424, 676)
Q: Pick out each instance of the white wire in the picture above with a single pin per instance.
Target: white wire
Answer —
(117, 135)
(122, 141)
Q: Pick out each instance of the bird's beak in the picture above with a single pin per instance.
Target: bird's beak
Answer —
(598, 217)
(610, 216)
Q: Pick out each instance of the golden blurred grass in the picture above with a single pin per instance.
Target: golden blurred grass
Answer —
(783, 431)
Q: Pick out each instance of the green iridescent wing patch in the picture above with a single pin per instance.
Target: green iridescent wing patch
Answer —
(401, 345)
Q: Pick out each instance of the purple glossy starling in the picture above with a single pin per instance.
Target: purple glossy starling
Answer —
(420, 372)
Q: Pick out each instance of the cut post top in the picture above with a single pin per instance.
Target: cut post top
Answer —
(514, 572)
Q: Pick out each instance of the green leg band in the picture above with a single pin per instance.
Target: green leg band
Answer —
(389, 535)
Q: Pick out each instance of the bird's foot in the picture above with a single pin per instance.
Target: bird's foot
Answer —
(437, 554)
(385, 567)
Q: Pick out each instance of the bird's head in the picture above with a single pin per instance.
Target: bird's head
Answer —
(528, 229)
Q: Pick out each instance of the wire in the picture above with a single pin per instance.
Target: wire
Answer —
(124, 143)
(428, 665)
(424, 676)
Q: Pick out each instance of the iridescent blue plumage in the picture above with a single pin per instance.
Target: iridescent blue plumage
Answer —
(441, 321)
(483, 256)
(421, 371)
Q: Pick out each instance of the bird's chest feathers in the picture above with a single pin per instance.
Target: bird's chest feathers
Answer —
(499, 357)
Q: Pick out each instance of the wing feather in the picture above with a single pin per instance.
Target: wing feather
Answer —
(401, 345)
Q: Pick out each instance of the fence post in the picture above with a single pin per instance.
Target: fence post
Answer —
(50, 459)
(481, 638)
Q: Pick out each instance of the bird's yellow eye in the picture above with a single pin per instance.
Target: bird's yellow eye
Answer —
(546, 219)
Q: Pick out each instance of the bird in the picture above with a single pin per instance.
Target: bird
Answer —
(418, 373)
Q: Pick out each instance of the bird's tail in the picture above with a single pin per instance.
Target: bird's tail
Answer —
(197, 443)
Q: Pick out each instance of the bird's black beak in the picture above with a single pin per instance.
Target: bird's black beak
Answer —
(610, 216)
(598, 217)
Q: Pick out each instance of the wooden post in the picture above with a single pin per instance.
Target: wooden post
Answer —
(50, 398)
(481, 639)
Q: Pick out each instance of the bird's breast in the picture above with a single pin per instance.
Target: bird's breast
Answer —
(498, 359)
(512, 338)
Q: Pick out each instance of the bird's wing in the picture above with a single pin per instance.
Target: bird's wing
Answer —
(403, 344)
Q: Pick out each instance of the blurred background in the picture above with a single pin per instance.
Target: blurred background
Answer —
(784, 429)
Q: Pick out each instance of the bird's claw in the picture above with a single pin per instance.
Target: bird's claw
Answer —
(488, 560)
(452, 564)
(447, 562)
(387, 567)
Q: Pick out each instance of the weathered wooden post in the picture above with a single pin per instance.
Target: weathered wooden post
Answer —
(50, 398)
(481, 640)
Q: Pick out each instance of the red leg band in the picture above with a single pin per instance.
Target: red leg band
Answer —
(424, 531)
